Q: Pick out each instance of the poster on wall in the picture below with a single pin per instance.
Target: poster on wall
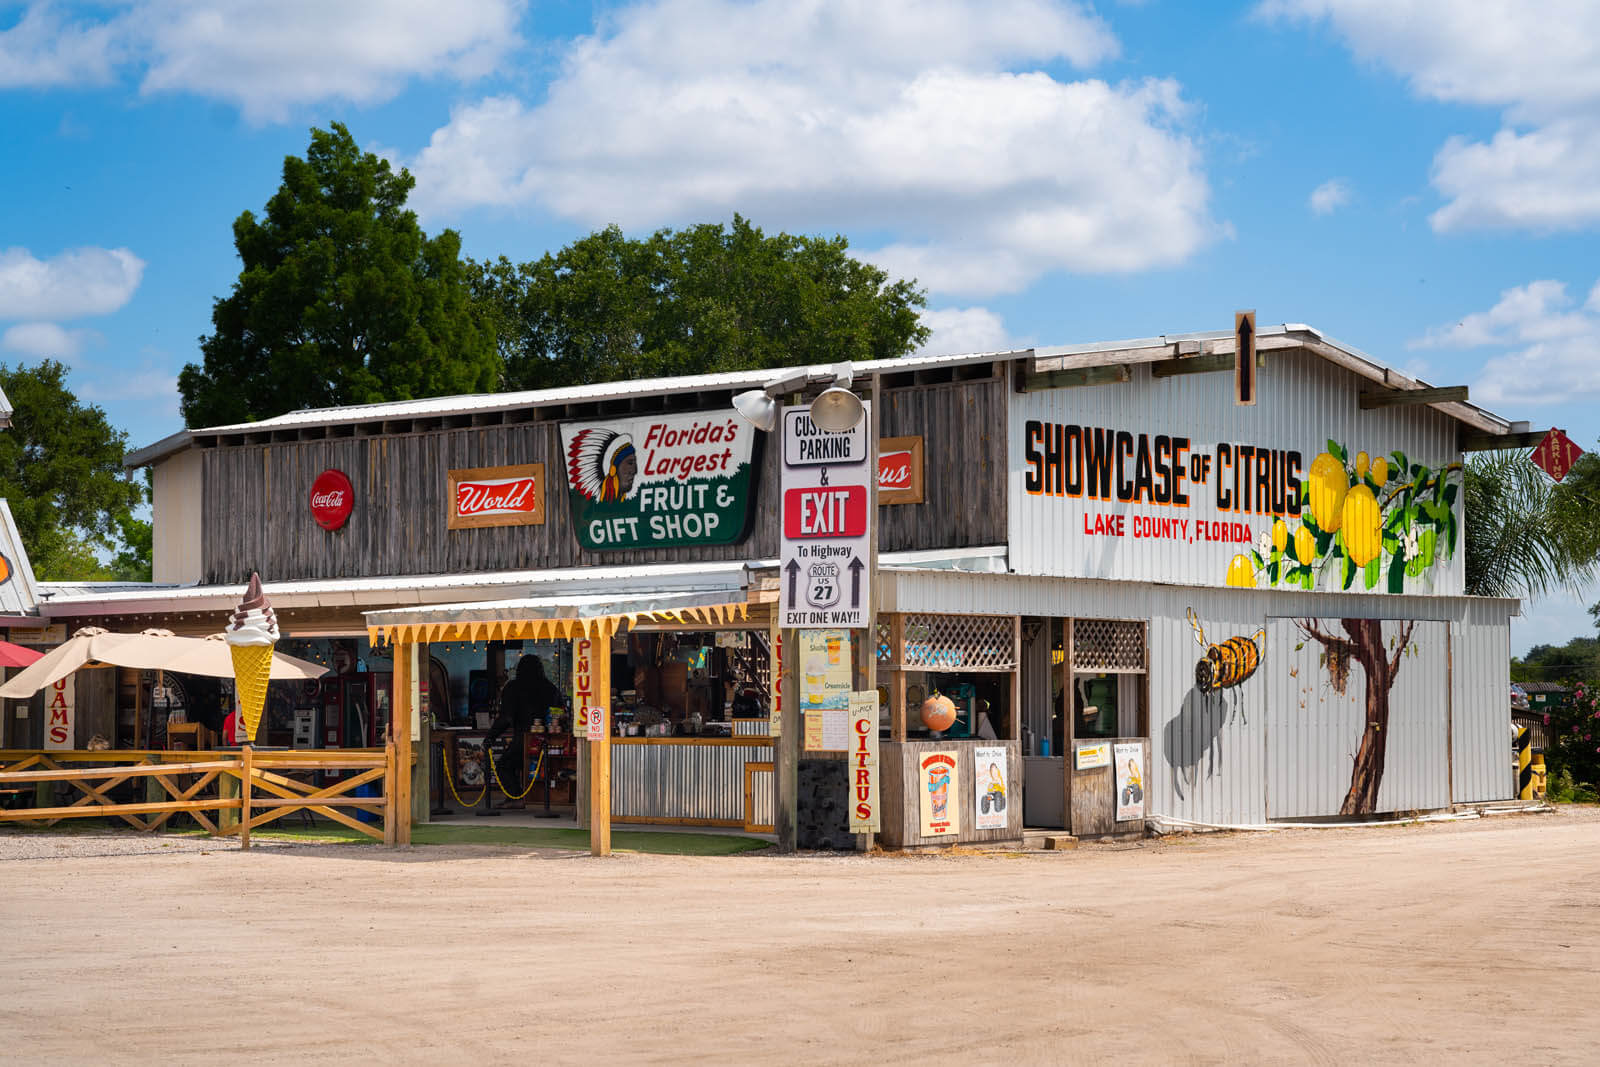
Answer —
(825, 658)
(938, 790)
(660, 481)
(1165, 479)
(1129, 764)
(991, 790)
(865, 817)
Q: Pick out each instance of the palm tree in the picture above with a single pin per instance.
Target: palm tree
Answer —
(1526, 535)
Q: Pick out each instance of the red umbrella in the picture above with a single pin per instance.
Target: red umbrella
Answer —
(16, 656)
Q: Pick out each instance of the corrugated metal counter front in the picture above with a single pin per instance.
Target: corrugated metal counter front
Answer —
(696, 781)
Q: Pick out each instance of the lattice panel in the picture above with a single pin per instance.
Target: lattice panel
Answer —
(958, 643)
(885, 642)
(1107, 645)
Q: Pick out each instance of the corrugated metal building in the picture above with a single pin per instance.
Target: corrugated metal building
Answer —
(1264, 604)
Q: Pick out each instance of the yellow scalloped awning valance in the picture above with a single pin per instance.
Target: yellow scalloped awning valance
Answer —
(552, 629)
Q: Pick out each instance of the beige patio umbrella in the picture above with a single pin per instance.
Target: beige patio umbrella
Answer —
(154, 650)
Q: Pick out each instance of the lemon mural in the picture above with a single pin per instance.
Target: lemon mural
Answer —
(1384, 518)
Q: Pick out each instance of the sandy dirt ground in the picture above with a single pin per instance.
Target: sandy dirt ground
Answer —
(1468, 942)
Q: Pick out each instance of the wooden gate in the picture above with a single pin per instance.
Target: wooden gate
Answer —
(228, 792)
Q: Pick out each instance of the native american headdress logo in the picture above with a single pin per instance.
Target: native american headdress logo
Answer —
(593, 459)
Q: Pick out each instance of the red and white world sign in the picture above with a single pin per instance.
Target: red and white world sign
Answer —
(497, 496)
(332, 499)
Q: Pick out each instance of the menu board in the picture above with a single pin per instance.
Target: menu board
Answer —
(824, 658)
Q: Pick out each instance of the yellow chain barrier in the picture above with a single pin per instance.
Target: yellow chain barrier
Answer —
(531, 778)
(449, 780)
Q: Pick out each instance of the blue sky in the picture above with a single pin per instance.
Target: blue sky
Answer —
(1414, 177)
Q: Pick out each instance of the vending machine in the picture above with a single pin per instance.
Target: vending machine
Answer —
(355, 711)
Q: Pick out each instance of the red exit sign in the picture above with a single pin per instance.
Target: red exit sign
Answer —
(824, 511)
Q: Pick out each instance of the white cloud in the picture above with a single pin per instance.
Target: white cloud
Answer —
(45, 50)
(973, 329)
(47, 340)
(928, 119)
(1540, 65)
(265, 58)
(1330, 196)
(1550, 342)
(153, 388)
(80, 281)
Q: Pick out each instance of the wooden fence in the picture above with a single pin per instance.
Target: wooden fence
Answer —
(229, 792)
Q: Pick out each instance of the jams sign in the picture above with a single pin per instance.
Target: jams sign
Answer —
(660, 482)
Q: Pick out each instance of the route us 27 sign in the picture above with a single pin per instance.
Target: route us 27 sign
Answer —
(823, 576)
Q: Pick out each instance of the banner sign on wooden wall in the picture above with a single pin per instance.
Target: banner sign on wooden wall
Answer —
(1130, 781)
(660, 481)
(900, 470)
(1087, 757)
(991, 789)
(497, 496)
(865, 816)
(60, 713)
(939, 790)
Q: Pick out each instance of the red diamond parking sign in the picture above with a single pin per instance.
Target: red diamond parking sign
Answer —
(1556, 454)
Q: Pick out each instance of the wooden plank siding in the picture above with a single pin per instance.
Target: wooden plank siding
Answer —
(963, 431)
(901, 798)
(256, 514)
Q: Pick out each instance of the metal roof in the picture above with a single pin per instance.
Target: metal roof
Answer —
(586, 606)
(19, 593)
(62, 599)
(74, 599)
(1138, 350)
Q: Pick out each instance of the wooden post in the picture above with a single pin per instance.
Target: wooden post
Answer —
(389, 790)
(864, 842)
(227, 789)
(400, 731)
(244, 797)
(1015, 725)
(421, 739)
(897, 678)
(786, 753)
(1069, 724)
(600, 750)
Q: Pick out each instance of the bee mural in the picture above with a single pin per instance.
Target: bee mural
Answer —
(1226, 665)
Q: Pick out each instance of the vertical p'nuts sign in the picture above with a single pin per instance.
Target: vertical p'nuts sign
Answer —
(823, 575)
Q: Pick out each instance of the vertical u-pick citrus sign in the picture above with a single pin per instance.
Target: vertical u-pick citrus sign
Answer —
(824, 575)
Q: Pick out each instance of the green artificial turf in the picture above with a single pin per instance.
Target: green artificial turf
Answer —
(666, 844)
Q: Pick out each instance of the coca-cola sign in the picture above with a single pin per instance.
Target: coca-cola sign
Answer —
(900, 470)
(332, 499)
(497, 496)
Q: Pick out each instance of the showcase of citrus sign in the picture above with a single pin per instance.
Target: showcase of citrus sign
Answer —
(1168, 480)
(660, 481)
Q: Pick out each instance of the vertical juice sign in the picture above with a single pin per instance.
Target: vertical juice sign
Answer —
(582, 685)
(59, 714)
(864, 811)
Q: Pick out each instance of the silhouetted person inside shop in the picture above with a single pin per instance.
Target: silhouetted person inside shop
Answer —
(528, 695)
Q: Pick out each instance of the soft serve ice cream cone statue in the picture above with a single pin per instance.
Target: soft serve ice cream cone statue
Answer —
(252, 631)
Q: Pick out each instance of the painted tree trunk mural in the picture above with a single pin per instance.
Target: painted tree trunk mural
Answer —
(1362, 642)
